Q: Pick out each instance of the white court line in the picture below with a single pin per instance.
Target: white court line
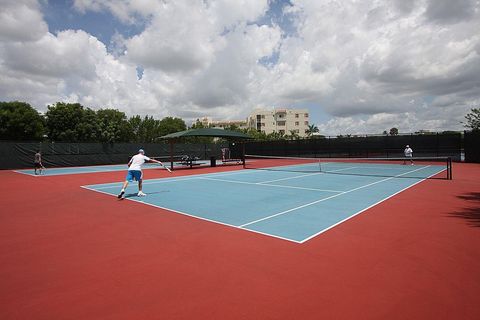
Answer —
(174, 179)
(26, 173)
(255, 231)
(365, 209)
(153, 181)
(327, 198)
(194, 216)
(305, 175)
(376, 167)
(61, 171)
(269, 185)
(294, 177)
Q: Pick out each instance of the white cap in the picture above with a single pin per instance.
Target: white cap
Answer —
(408, 146)
(141, 151)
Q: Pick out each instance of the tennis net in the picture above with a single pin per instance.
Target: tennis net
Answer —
(416, 167)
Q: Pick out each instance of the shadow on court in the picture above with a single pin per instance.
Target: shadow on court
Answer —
(134, 195)
(471, 213)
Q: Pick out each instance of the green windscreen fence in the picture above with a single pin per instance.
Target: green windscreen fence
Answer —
(16, 155)
(472, 146)
(423, 145)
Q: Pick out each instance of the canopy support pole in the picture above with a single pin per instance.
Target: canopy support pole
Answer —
(171, 153)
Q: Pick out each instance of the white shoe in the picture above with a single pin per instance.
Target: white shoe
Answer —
(121, 195)
(141, 194)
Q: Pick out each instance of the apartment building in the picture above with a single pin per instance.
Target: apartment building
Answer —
(284, 121)
(209, 122)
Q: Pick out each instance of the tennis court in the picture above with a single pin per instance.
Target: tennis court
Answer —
(228, 242)
(103, 168)
(283, 200)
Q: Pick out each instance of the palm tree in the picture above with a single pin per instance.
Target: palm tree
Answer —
(312, 128)
(294, 135)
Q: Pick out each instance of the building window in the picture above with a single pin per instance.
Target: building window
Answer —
(263, 124)
(281, 131)
(306, 123)
(306, 115)
(296, 115)
(297, 123)
(281, 123)
(263, 116)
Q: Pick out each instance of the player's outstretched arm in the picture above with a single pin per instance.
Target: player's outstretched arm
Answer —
(156, 161)
(160, 163)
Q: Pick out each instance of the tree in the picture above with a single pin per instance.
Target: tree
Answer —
(311, 130)
(62, 121)
(293, 135)
(114, 126)
(255, 134)
(149, 129)
(135, 124)
(88, 129)
(473, 119)
(233, 127)
(393, 131)
(20, 121)
(275, 136)
(171, 125)
(385, 132)
(198, 125)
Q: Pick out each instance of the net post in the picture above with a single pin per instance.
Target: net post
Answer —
(171, 154)
(243, 155)
(449, 164)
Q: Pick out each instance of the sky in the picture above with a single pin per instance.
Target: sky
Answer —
(359, 66)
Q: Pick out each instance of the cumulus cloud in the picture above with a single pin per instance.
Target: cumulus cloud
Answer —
(21, 21)
(446, 11)
(127, 11)
(175, 42)
(369, 65)
(364, 59)
(226, 82)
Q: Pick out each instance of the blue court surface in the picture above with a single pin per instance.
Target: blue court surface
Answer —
(283, 204)
(92, 169)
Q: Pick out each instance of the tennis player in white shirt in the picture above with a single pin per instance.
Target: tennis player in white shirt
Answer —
(135, 172)
(408, 154)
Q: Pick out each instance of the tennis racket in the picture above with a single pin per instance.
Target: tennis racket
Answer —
(168, 169)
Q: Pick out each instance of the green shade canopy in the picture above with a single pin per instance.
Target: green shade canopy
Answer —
(207, 132)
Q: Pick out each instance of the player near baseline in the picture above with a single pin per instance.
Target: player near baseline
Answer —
(408, 154)
(37, 163)
(135, 172)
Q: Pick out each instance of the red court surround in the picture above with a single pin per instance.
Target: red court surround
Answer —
(70, 253)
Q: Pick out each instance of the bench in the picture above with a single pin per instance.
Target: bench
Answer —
(238, 161)
(189, 161)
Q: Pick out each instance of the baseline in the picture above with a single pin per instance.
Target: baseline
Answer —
(196, 216)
